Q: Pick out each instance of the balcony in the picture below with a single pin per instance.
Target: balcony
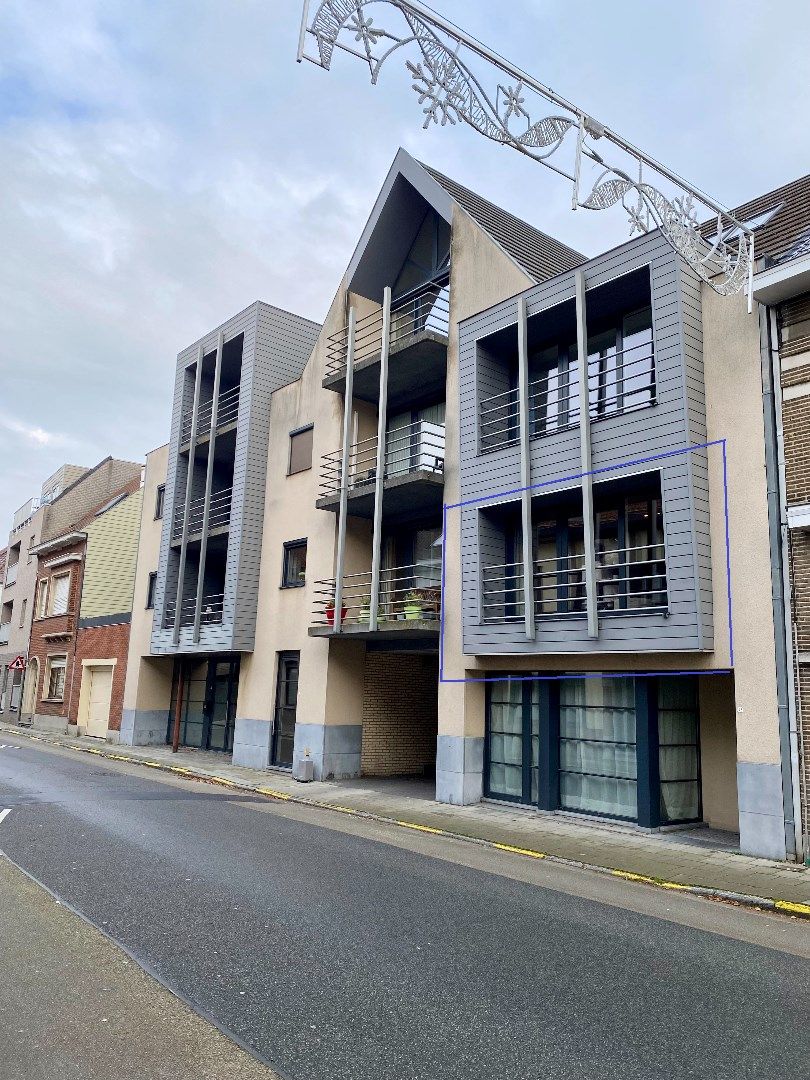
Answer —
(631, 580)
(211, 613)
(620, 383)
(227, 415)
(410, 604)
(420, 323)
(11, 573)
(5, 633)
(413, 473)
(219, 515)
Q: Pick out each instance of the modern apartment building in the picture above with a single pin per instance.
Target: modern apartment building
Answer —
(420, 554)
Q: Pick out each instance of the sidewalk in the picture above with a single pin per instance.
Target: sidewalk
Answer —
(72, 1004)
(699, 859)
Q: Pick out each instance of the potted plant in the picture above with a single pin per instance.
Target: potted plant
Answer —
(329, 611)
(364, 614)
(413, 605)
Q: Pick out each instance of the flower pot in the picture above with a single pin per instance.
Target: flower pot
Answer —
(330, 614)
(413, 610)
(364, 616)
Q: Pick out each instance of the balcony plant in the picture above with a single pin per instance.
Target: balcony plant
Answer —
(329, 611)
(412, 607)
(364, 613)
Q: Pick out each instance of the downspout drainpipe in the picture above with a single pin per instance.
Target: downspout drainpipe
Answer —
(783, 612)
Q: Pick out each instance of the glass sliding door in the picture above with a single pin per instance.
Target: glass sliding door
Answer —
(513, 741)
(598, 747)
(286, 707)
(678, 749)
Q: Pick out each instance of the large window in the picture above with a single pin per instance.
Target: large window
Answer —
(621, 746)
(286, 707)
(300, 450)
(55, 678)
(59, 594)
(294, 571)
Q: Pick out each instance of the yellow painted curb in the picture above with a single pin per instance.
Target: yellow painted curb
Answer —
(793, 909)
(273, 793)
(628, 876)
(520, 850)
(420, 828)
(334, 806)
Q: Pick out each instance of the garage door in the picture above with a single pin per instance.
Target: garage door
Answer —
(98, 702)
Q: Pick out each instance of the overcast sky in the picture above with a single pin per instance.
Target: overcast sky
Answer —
(164, 163)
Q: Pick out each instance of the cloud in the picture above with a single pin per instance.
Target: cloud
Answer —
(36, 436)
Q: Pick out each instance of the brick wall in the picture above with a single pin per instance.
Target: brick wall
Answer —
(102, 643)
(804, 744)
(55, 635)
(400, 714)
(796, 423)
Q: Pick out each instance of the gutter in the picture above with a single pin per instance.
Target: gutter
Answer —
(780, 582)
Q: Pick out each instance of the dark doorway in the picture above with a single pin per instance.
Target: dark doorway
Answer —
(209, 702)
(286, 703)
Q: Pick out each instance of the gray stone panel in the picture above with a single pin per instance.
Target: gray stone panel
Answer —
(762, 816)
(251, 743)
(334, 749)
(144, 727)
(459, 769)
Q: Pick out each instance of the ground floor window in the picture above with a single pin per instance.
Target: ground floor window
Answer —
(621, 747)
(286, 707)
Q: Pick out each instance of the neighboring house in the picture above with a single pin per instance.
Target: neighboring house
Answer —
(20, 581)
(55, 568)
(782, 287)
(577, 655)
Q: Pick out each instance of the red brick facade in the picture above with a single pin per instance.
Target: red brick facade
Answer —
(102, 643)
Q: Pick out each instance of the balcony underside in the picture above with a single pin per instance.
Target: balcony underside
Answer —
(413, 493)
(417, 370)
(204, 439)
(387, 630)
(196, 537)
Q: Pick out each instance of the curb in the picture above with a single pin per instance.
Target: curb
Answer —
(785, 907)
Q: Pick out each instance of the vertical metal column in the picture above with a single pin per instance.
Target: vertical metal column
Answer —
(382, 421)
(585, 456)
(525, 469)
(209, 477)
(337, 621)
(181, 570)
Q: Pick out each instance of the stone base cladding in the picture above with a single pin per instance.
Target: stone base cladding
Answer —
(102, 643)
(400, 714)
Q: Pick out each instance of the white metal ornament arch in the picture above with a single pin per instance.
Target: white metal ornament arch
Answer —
(458, 79)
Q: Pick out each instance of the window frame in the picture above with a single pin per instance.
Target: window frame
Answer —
(43, 590)
(23, 611)
(56, 662)
(287, 548)
(52, 593)
(151, 585)
(299, 431)
(160, 500)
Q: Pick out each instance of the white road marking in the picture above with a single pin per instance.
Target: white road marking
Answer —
(4, 814)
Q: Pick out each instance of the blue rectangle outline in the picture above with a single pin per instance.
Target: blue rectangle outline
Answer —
(578, 476)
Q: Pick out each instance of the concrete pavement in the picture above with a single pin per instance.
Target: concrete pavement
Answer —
(677, 858)
(342, 948)
(72, 1004)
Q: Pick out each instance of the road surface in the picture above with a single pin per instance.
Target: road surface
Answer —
(338, 948)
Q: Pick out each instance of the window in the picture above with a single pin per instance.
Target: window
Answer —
(300, 450)
(23, 609)
(295, 564)
(59, 594)
(31, 543)
(150, 590)
(56, 678)
(160, 495)
(42, 599)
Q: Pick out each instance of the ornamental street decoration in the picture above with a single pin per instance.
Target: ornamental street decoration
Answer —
(456, 79)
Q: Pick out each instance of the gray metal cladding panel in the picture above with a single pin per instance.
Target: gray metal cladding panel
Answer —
(675, 422)
(277, 345)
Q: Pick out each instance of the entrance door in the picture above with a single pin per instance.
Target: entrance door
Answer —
(209, 703)
(98, 700)
(220, 703)
(30, 691)
(286, 704)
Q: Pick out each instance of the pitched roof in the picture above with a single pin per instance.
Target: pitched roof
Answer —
(785, 235)
(540, 255)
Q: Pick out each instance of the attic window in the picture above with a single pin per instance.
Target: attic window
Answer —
(429, 255)
(111, 504)
(750, 224)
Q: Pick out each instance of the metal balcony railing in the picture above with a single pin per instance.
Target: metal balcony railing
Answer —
(632, 578)
(407, 594)
(616, 384)
(426, 308)
(5, 633)
(227, 413)
(417, 447)
(11, 573)
(219, 513)
(211, 614)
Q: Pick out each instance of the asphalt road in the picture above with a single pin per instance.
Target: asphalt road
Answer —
(339, 948)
